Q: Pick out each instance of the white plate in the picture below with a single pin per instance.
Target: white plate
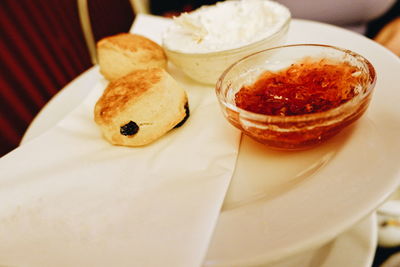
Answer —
(302, 199)
(355, 248)
(280, 204)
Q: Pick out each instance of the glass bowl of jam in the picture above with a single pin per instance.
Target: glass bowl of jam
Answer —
(297, 96)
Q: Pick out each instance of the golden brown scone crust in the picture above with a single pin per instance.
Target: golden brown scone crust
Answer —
(125, 91)
(150, 98)
(120, 54)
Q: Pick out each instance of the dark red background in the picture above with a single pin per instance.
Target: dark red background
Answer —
(42, 48)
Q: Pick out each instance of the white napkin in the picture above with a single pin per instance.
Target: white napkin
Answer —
(68, 198)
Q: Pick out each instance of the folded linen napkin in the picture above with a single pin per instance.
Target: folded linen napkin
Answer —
(68, 198)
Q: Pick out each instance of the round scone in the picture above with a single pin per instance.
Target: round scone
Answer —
(140, 107)
(123, 53)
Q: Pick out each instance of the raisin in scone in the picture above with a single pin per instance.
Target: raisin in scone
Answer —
(123, 53)
(140, 107)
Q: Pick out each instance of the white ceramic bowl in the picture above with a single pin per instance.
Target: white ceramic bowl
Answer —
(206, 67)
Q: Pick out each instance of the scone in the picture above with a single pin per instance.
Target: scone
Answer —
(123, 53)
(140, 107)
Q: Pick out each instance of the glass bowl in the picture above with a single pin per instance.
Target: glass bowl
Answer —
(293, 132)
(207, 67)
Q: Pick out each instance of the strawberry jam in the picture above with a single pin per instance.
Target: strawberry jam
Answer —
(309, 86)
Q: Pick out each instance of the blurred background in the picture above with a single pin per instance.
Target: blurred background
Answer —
(46, 44)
